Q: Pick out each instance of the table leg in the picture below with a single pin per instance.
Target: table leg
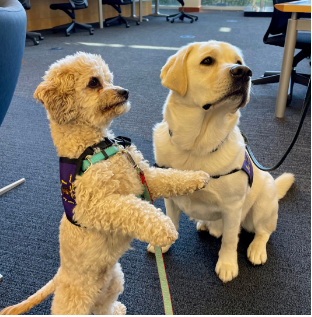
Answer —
(156, 12)
(133, 16)
(289, 51)
(101, 14)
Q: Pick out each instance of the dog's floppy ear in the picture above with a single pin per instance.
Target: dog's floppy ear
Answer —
(174, 74)
(57, 96)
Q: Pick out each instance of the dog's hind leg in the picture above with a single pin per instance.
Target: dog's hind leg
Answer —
(106, 303)
(215, 228)
(71, 299)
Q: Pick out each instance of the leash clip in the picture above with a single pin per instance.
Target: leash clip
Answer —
(131, 160)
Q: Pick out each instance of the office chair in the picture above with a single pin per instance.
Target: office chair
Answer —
(12, 39)
(31, 35)
(181, 15)
(66, 7)
(116, 5)
(275, 35)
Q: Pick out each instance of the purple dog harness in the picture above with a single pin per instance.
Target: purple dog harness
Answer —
(247, 168)
(69, 168)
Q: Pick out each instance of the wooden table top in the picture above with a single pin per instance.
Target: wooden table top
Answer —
(302, 6)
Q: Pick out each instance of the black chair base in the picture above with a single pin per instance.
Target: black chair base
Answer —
(119, 19)
(181, 15)
(34, 36)
(271, 77)
(72, 27)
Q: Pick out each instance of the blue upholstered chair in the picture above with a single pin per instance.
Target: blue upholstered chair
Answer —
(12, 39)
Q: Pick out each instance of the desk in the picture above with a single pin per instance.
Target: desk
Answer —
(294, 25)
(41, 17)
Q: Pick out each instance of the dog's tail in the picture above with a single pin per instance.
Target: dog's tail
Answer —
(31, 301)
(283, 183)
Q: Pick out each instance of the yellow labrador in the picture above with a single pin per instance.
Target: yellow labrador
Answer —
(208, 83)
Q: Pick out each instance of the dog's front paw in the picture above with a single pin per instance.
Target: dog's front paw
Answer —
(119, 308)
(256, 252)
(165, 235)
(201, 180)
(151, 248)
(226, 271)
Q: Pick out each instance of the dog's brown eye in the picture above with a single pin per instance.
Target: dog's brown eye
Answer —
(94, 83)
(207, 61)
(239, 63)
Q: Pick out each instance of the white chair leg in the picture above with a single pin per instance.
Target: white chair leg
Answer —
(11, 186)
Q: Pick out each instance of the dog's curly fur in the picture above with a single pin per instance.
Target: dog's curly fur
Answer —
(81, 102)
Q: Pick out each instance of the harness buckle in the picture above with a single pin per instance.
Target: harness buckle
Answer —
(88, 158)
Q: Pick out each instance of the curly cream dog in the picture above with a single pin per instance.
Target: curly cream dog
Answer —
(81, 102)
(208, 84)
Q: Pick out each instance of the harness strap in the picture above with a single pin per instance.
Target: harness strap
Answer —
(247, 168)
(100, 156)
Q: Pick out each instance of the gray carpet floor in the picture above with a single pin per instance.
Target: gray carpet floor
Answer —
(30, 214)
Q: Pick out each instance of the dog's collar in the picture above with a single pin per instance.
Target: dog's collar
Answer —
(69, 168)
(215, 149)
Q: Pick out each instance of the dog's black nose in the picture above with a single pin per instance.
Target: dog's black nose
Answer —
(124, 93)
(240, 71)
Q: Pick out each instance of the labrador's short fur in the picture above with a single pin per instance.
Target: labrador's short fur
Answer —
(81, 102)
(208, 83)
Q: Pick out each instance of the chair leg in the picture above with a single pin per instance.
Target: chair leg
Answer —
(11, 186)
(32, 37)
(181, 15)
(61, 28)
(120, 19)
(266, 80)
(70, 28)
(85, 27)
(302, 79)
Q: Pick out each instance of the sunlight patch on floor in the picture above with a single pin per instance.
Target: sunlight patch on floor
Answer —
(148, 47)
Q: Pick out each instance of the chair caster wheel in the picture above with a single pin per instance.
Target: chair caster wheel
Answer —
(127, 26)
(172, 21)
(138, 23)
(67, 34)
(167, 18)
(196, 18)
(36, 42)
(192, 21)
(106, 24)
(91, 31)
(41, 38)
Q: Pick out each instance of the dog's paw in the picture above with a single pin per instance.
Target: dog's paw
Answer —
(256, 253)
(202, 225)
(201, 180)
(215, 228)
(164, 237)
(119, 308)
(151, 248)
(226, 271)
